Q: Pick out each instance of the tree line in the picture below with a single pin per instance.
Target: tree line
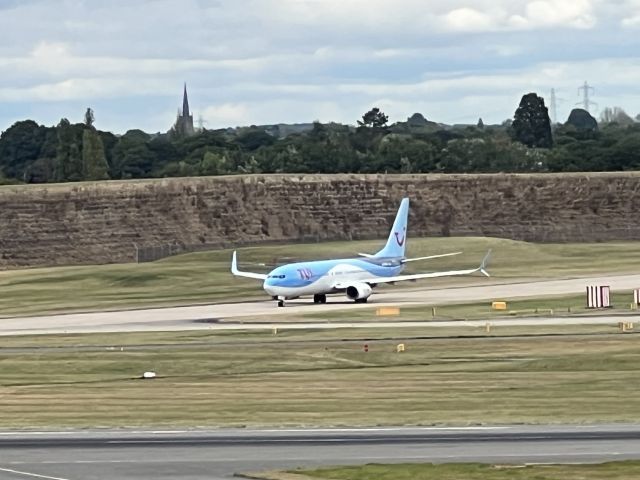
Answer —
(67, 152)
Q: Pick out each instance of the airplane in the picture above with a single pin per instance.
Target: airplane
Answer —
(356, 277)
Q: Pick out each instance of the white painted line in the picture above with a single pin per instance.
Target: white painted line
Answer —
(376, 429)
(27, 474)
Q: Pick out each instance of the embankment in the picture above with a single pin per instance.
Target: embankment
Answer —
(104, 222)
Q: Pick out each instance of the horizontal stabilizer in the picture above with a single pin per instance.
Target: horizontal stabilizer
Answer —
(406, 260)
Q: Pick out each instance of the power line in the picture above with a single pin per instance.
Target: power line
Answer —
(586, 102)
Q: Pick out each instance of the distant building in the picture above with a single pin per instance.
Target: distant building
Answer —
(184, 121)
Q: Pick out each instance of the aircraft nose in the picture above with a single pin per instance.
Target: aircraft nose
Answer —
(267, 287)
(270, 285)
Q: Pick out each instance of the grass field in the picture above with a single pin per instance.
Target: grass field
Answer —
(560, 305)
(475, 471)
(204, 277)
(325, 379)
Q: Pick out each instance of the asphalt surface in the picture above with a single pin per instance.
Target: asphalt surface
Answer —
(197, 455)
(205, 317)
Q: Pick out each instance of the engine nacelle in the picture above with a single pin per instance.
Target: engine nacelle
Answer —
(359, 291)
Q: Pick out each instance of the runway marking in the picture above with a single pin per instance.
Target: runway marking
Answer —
(244, 432)
(362, 458)
(27, 474)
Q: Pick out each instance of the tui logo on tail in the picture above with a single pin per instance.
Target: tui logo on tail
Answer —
(401, 240)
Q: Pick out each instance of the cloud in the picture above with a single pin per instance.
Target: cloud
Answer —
(468, 19)
(266, 61)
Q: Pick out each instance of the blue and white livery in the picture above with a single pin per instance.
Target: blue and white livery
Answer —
(356, 277)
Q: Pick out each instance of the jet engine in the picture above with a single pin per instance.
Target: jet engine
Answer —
(359, 292)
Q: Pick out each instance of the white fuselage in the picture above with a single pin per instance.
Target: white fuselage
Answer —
(320, 278)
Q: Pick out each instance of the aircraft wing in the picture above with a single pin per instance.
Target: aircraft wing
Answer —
(238, 273)
(418, 276)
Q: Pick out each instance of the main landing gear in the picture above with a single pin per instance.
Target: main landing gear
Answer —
(362, 300)
(319, 299)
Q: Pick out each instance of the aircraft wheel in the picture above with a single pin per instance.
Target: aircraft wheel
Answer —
(323, 299)
(317, 299)
(280, 303)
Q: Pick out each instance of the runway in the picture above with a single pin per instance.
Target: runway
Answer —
(204, 317)
(218, 454)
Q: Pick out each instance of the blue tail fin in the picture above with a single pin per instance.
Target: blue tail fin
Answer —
(397, 241)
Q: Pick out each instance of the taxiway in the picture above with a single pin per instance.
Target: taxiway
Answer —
(219, 454)
(203, 317)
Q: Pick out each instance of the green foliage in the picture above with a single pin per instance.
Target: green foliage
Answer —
(20, 146)
(132, 157)
(214, 164)
(531, 125)
(73, 152)
(476, 471)
(68, 161)
(94, 161)
(582, 120)
(374, 118)
(253, 139)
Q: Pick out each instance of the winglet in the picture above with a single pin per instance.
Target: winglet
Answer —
(234, 263)
(483, 266)
(235, 271)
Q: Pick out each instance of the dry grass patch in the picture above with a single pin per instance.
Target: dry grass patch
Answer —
(476, 471)
(327, 382)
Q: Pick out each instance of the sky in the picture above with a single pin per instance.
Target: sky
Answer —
(288, 61)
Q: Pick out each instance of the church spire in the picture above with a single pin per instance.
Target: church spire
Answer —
(184, 121)
(185, 102)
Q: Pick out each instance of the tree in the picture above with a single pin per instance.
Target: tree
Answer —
(89, 118)
(531, 124)
(213, 164)
(20, 146)
(616, 115)
(480, 124)
(374, 118)
(132, 157)
(68, 162)
(255, 138)
(417, 120)
(582, 120)
(94, 161)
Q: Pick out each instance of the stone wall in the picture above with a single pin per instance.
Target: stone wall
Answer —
(103, 222)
